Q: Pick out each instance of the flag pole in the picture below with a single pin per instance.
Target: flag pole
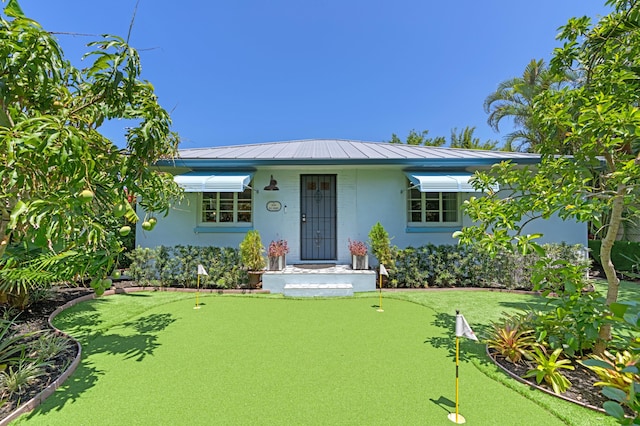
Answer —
(201, 271)
(457, 377)
(383, 271)
(197, 292)
(462, 329)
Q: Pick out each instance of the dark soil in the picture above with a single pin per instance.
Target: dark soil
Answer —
(582, 379)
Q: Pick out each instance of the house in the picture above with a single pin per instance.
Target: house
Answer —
(318, 194)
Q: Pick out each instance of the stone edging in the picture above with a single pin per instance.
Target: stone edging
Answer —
(536, 386)
(48, 391)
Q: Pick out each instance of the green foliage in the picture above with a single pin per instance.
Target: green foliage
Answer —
(252, 251)
(624, 254)
(16, 378)
(60, 177)
(629, 314)
(618, 371)
(48, 346)
(176, 266)
(547, 369)
(463, 139)
(570, 323)
(380, 244)
(472, 266)
(512, 338)
(12, 345)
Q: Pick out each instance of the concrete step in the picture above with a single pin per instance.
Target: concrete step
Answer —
(318, 290)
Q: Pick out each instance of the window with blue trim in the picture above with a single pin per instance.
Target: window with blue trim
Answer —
(226, 208)
(432, 208)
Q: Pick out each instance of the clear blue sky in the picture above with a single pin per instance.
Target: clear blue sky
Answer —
(249, 71)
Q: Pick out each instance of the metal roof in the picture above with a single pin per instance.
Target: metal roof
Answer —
(337, 151)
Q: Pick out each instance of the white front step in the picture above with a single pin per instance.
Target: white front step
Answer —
(318, 290)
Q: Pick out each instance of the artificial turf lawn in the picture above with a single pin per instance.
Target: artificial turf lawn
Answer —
(150, 358)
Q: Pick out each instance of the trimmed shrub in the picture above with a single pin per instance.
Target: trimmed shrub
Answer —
(460, 266)
(176, 266)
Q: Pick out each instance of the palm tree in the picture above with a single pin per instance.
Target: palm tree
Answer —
(465, 139)
(514, 98)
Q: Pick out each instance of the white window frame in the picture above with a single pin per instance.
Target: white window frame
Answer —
(216, 209)
(423, 210)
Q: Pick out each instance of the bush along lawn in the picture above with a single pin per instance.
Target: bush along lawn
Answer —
(550, 344)
(413, 267)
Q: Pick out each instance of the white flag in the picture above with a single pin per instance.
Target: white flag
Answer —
(201, 270)
(463, 329)
(383, 270)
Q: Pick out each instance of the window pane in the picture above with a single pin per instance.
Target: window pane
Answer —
(432, 205)
(450, 216)
(244, 217)
(415, 217)
(432, 217)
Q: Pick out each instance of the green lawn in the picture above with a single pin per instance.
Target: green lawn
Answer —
(150, 358)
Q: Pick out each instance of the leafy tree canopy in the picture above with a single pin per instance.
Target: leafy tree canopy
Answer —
(600, 117)
(63, 185)
(462, 139)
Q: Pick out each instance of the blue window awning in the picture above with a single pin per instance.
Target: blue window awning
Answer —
(209, 182)
(438, 182)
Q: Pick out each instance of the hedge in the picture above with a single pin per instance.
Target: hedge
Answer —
(176, 266)
(625, 255)
(425, 266)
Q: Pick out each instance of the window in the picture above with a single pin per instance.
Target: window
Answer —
(226, 207)
(432, 208)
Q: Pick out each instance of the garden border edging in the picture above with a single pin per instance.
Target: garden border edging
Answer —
(536, 386)
(34, 402)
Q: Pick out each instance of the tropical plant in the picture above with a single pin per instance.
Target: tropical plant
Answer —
(358, 248)
(547, 369)
(48, 346)
(16, 378)
(571, 322)
(252, 251)
(514, 99)
(12, 345)
(65, 187)
(278, 248)
(627, 313)
(463, 139)
(619, 371)
(512, 338)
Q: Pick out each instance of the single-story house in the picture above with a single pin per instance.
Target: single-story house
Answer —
(319, 194)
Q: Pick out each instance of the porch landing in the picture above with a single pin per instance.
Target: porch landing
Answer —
(304, 281)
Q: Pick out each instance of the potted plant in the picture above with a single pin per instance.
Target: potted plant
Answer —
(277, 253)
(359, 258)
(252, 256)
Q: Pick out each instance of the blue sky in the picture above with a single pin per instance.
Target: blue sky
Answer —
(250, 71)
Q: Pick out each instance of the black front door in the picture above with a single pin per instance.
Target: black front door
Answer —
(318, 217)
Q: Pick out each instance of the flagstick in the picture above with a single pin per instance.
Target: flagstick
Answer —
(457, 379)
(197, 293)
(380, 305)
(457, 418)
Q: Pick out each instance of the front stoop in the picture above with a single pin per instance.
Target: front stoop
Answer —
(338, 280)
(318, 290)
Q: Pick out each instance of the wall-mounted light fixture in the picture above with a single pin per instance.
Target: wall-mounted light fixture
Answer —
(273, 185)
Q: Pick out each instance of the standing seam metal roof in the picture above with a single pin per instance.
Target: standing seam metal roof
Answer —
(337, 149)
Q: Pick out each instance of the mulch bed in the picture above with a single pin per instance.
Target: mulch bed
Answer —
(582, 379)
